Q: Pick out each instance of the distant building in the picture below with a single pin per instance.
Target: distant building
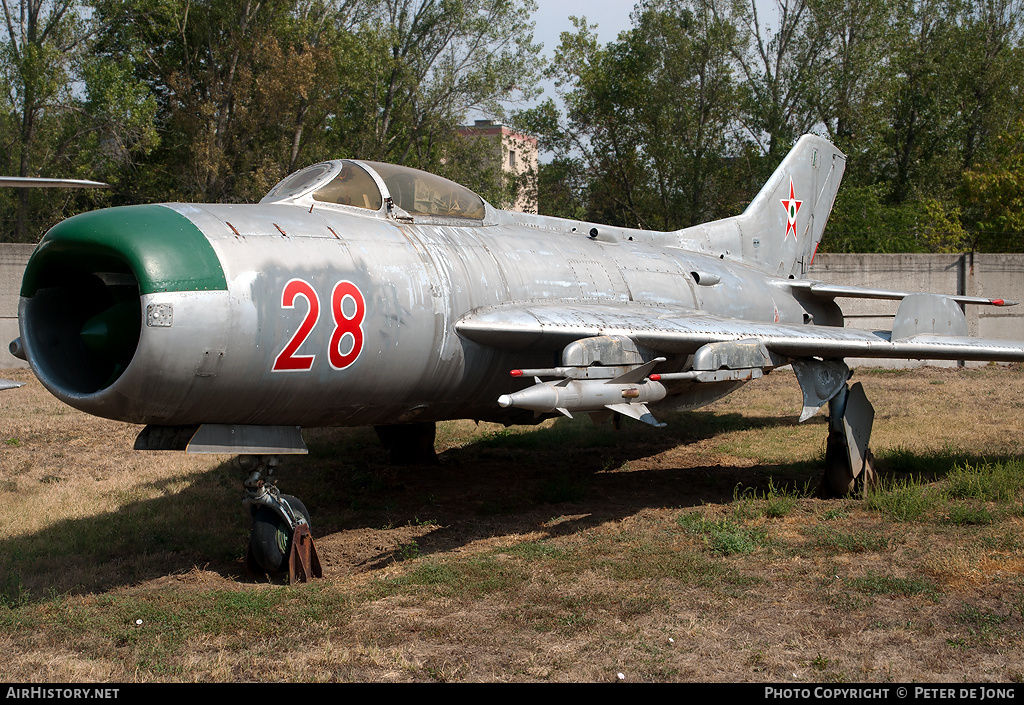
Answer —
(517, 154)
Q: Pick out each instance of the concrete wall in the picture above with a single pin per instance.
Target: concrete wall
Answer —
(993, 276)
(13, 259)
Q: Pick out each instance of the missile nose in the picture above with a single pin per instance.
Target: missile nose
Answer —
(505, 401)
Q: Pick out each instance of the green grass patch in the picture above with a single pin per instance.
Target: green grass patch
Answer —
(903, 500)
(151, 630)
(835, 514)
(986, 482)
(466, 578)
(725, 536)
(981, 625)
(873, 584)
(969, 515)
(959, 498)
(772, 503)
(838, 541)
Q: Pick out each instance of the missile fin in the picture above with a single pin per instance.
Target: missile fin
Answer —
(636, 411)
(637, 373)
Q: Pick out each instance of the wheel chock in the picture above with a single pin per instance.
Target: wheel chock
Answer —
(303, 561)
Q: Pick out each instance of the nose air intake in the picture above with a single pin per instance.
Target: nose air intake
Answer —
(81, 310)
(81, 328)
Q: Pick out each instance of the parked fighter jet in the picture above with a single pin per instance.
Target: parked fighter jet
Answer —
(360, 293)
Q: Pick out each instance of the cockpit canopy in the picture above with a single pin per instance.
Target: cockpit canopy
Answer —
(370, 184)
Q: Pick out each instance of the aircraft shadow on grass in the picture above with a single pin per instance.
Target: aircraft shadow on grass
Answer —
(497, 484)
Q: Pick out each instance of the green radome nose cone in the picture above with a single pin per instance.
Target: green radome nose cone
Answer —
(114, 332)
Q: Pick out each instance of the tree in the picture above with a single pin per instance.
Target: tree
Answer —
(65, 112)
(433, 62)
(994, 195)
(249, 90)
(240, 86)
(912, 120)
(778, 69)
(856, 38)
(649, 116)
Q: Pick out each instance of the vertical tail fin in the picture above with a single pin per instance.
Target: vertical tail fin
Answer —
(780, 230)
(784, 223)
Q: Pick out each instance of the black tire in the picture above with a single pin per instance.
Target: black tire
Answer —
(270, 541)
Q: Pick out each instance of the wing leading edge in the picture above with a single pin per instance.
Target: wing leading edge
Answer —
(678, 331)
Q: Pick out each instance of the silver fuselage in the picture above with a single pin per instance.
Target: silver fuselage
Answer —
(215, 362)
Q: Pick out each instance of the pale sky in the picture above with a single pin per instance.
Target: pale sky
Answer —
(610, 16)
(552, 18)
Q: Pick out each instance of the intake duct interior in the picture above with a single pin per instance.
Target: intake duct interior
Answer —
(82, 318)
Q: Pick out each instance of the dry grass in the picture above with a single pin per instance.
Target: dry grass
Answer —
(563, 553)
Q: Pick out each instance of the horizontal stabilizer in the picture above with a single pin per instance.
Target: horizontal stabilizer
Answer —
(830, 291)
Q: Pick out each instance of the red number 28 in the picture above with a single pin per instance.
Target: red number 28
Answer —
(346, 327)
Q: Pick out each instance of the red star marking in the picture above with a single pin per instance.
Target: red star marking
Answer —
(792, 207)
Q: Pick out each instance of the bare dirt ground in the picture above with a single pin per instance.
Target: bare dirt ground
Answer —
(560, 553)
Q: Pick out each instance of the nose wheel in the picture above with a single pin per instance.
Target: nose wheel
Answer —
(280, 539)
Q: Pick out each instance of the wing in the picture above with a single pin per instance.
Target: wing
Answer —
(926, 327)
(678, 331)
(31, 182)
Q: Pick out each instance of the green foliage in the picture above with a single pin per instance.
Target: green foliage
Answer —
(993, 194)
(676, 122)
(64, 112)
(218, 100)
(648, 118)
(863, 222)
(681, 118)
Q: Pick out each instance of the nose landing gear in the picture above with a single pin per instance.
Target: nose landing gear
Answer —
(280, 538)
